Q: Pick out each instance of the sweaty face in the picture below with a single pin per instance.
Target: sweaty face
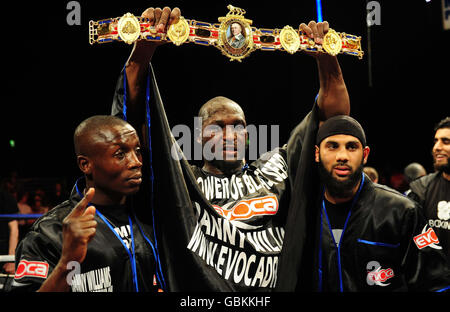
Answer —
(117, 161)
(224, 138)
(341, 159)
(441, 150)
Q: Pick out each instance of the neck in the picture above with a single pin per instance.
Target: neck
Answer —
(211, 168)
(105, 198)
(339, 200)
(446, 176)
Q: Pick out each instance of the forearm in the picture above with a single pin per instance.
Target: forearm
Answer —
(136, 72)
(333, 96)
(13, 237)
(57, 280)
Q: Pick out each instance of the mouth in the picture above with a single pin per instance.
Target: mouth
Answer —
(229, 151)
(440, 157)
(136, 179)
(342, 171)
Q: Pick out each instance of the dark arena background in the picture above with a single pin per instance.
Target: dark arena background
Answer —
(54, 78)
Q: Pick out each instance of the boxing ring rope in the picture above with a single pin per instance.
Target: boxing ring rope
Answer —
(21, 216)
(5, 279)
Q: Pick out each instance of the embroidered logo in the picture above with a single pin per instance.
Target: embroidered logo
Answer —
(31, 269)
(376, 275)
(443, 210)
(427, 238)
(246, 209)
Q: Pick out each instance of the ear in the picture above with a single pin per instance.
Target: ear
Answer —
(85, 164)
(316, 154)
(247, 139)
(198, 135)
(366, 152)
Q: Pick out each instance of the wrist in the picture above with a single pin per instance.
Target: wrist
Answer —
(142, 52)
(325, 59)
(62, 266)
(57, 280)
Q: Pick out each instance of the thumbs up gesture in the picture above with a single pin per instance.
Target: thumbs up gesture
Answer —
(79, 229)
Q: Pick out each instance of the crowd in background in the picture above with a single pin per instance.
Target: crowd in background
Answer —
(38, 196)
(26, 196)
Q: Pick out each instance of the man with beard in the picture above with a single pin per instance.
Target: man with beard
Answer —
(371, 238)
(433, 190)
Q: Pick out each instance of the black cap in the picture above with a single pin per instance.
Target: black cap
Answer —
(341, 124)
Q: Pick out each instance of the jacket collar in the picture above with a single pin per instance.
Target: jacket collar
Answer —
(77, 191)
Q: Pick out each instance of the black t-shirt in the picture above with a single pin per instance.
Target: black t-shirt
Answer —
(107, 266)
(337, 214)
(437, 210)
(242, 238)
(117, 216)
(8, 205)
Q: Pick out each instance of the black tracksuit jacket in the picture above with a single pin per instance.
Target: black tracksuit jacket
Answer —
(386, 246)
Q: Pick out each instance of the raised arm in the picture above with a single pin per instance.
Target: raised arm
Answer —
(333, 96)
(137, 65)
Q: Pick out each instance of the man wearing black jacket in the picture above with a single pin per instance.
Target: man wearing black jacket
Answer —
(433, 190)
(94, 242)
(370, 237)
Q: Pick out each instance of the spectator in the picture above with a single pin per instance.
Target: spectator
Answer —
(398, 182)
(24, 208)
(414, 171)
(372, 173)
(58, 195)
(39, 205)
(9, 229)
(433, 190)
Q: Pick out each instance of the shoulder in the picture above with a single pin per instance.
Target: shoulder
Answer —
(46, 232)
(425, 180)
(53, 217)
(420, 186)
(278, 156)
(389, 199)
(45, 236)
(196, 170)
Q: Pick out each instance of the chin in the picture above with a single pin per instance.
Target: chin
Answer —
(443, 167)
(342, 178)
(132, 190)
(228, 165)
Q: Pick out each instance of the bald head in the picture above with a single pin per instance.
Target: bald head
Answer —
(93, 129)
(219, 104)
(414, 171)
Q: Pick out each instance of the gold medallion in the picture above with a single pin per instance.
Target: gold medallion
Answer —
(129, 28)
(289, 39)
(235, 34)
(178, 33)
(332, 42)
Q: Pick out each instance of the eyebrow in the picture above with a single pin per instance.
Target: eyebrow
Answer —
(345, 143)
(221, 121)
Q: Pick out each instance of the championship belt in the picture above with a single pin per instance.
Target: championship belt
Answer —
(234, 35)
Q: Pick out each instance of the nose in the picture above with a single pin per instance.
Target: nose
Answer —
(342, 155)
(229, 134)
(437, 145)
(135, 160)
